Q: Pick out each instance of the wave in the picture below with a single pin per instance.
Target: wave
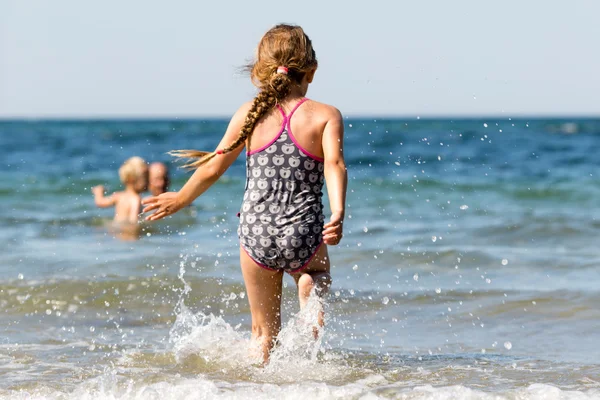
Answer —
(156, 297)
(152, 296)
(57, 187)
(375, 386)
(556, 190)
(49, 225)
(204, 355)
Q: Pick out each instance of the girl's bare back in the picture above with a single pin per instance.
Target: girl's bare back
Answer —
(308, 124)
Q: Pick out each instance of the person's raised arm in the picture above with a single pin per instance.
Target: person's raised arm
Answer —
(101, 200)
(204, 176)
(336, 176)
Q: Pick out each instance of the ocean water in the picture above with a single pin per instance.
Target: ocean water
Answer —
(469, 269)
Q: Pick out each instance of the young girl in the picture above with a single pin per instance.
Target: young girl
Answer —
(282, 226)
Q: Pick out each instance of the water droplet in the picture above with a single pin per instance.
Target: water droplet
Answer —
(20, 276)
(485, 125)
(507, 345)
(416, 277)
(355, 268)
(148, 234)
(464, 207)
(438, 290)
(337, 293)
(385, 300)
(504, 261)
(488, 280)
(92, 329)
(365, 229)
(433, 238)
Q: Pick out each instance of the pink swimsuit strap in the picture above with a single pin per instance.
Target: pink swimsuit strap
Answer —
(288, 117)
(285, 124)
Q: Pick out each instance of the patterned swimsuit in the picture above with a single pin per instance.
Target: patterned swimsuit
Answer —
(281, 220)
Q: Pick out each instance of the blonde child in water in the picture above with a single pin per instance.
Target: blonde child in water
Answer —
(293, 146)
(134, 176)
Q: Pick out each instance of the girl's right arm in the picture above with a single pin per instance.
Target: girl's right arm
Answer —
(203, 178)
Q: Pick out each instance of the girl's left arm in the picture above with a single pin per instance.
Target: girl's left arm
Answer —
(336, 176)
(204, 176)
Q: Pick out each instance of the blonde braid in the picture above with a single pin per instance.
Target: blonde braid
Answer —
(279, 87)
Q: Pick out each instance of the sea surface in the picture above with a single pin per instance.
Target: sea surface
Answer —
(470, 268)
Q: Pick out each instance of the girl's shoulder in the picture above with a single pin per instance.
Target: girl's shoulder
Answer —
(325, 113)
(326, 109)
(242, 111)
(239, 117)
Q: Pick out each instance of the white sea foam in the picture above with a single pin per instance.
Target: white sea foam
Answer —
(374, 387)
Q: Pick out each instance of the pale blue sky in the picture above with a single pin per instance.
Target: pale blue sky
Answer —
(150, 58)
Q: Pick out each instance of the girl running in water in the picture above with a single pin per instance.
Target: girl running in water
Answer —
(293, 146)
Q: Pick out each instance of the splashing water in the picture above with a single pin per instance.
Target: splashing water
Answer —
(297, 355)
(301, 350)
(210, 338)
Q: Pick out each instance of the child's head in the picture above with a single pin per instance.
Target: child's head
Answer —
(134, 172)
(285, 57)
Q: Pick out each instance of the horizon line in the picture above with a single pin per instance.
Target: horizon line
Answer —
(519, 116)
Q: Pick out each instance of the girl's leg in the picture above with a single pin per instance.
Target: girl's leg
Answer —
(315, 275)
(264, 296)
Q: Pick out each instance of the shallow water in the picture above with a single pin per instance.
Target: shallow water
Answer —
(469, 269)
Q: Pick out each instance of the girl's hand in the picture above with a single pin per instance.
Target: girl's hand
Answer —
(332, 231)
(165, 204)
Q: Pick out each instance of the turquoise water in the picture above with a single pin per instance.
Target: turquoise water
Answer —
(469, 268)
